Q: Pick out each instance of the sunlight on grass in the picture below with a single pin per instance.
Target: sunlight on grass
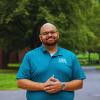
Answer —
(8, 81)
(98, 67)
(13, 65)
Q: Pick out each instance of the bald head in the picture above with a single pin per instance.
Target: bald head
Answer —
(46, 26)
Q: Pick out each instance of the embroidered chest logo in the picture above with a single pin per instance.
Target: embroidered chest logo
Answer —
(62, 60)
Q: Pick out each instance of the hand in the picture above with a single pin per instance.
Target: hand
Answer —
(52, 85)
(52, 79)
(48, 83)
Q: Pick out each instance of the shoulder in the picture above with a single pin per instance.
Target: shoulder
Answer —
(66, 52)
(33, 52)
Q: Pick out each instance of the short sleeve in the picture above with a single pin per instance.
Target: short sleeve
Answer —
(24, 70)
(77, 71)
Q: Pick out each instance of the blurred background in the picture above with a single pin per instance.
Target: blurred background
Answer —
(78, 22)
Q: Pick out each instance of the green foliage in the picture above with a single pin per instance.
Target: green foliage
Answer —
(77, 21)
(94, 24)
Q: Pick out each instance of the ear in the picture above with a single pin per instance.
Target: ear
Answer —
(58, 35)
(40, 38)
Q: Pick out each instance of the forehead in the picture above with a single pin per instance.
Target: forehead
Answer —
(48, 27)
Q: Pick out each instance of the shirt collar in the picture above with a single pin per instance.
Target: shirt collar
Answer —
(43, 48)
(58, 53)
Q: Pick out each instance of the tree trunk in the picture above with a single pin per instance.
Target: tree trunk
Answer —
(89, 58)
(99, 58)
(3, 59)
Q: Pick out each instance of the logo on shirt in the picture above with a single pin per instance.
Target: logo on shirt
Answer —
(62, 60)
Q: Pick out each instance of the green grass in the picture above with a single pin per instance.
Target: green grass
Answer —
(13, 65)
(7, 80)
(94, 56)
(83, 58)
(98, 67)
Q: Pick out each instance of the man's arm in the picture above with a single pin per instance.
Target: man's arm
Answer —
(49, 86)
(73, 85)
(29, 85)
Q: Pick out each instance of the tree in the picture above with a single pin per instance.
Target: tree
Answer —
(20, 21)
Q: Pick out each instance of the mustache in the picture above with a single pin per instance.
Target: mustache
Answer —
(50, 37)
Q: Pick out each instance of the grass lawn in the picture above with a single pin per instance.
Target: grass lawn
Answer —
(83, 58)
(13, 65)
(7, 80)
(98, 67)
(94, 56)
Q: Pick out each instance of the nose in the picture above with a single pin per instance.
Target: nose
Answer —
(49, 34)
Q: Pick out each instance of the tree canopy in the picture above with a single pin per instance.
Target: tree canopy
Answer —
(77, 20)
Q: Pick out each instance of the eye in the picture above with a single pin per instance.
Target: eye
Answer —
(53, 32)
(47, 33)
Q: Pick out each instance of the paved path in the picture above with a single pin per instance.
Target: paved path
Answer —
(90, 91)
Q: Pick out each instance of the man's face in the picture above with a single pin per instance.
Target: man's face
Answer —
(49, 36)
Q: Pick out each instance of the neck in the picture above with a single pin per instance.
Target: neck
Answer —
(51, 49)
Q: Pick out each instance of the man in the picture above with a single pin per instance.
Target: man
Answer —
(50, 72)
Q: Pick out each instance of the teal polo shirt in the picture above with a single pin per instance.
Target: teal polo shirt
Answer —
(38, 65)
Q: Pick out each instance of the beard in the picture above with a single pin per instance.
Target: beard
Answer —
(50, 41)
